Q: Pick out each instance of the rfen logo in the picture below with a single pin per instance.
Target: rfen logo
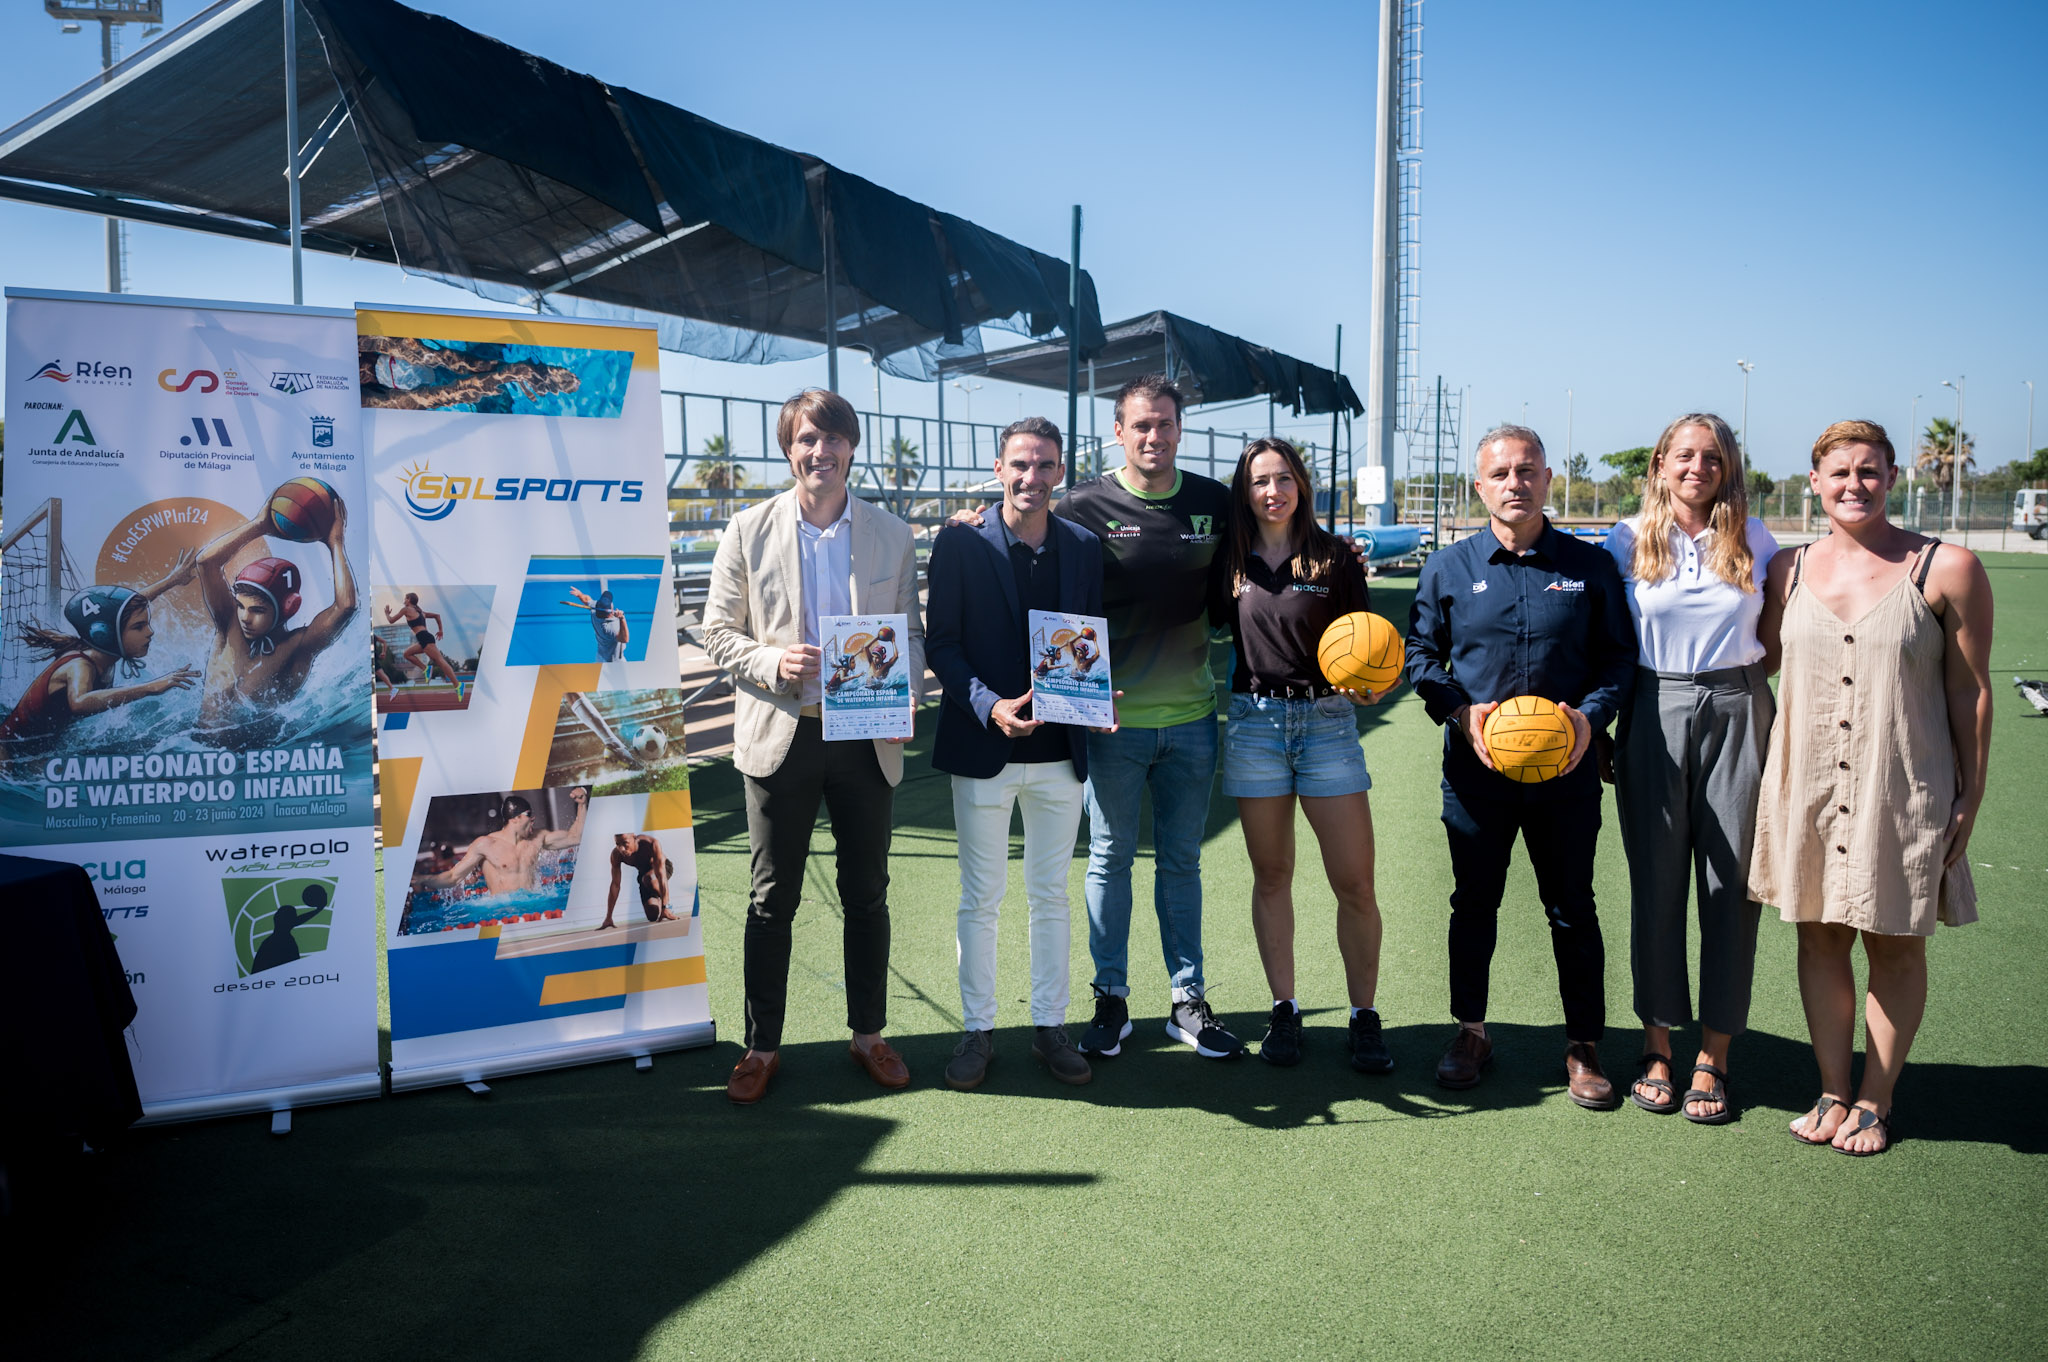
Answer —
(85, 371)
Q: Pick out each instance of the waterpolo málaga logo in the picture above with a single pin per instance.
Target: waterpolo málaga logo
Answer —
(276, 920)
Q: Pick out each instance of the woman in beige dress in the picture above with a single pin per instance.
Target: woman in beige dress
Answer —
(1875, 770)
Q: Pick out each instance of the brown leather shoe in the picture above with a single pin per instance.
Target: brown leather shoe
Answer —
(884, 1065)
(1588, 1086)
(1470, 1053)
(749, 1081)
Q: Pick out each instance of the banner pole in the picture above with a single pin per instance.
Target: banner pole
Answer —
(1073, 344)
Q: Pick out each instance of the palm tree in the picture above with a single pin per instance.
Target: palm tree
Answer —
(1937, 455)
(906, 465)
(718, 471)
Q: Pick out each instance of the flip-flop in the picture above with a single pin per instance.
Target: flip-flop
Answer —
(1864, 1119)
(1719, 1118)
(1670, 1103)
(1818, 1114)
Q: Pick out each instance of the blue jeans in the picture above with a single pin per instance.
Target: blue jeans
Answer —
(1179, 765)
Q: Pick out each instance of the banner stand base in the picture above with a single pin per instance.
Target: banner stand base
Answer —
(278, 1101)
(639, 1046)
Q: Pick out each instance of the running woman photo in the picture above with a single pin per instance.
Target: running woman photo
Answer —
(424, 643)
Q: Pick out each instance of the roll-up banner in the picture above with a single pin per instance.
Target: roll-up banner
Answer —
(540, 882)
(184, 675)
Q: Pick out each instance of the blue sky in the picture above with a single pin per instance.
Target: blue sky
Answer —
(1619, 199)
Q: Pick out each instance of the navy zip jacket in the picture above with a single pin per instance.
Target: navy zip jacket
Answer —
(1489, 624)
(976, 640)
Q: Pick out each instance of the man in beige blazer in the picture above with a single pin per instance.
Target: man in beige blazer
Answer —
(814, 550)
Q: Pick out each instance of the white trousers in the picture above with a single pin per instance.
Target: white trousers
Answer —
(1051, 798)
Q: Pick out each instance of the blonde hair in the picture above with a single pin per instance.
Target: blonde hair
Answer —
(1728, 553)
(1855, 433)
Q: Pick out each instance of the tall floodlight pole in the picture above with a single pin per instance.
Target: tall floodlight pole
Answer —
(110, 14)
(2028, 453)
(291, 144)
(1384, 349)
(1073, 345)
(1742, 436)
(1570, 417)
(1335, 407)
(1955, 458)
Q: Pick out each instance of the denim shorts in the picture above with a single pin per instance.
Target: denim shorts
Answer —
(1273, 746)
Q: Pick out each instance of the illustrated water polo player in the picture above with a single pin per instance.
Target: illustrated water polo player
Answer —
(509, 857)
(650, 868)
(607, 622)
(111, 626)
(256, 655)
(883, 655)
(425, 643)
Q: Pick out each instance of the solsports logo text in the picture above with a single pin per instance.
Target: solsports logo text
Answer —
(434, 496)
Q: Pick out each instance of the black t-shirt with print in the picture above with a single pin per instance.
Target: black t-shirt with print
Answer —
(1278, 622)
(1157, 553)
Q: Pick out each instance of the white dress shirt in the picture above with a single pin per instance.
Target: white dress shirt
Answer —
(1693, 621)
(827, 556)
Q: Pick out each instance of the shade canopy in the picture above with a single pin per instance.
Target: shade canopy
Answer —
(1207, 364)
(455, 156)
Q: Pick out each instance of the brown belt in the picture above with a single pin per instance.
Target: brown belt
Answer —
(812, 712)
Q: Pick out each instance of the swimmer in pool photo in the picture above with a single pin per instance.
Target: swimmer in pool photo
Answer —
(607, 622)
(509, 858)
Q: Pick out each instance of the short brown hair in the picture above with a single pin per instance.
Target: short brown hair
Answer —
(1154, 386)
(1036, 426)
(828, 411)
(1855, 433)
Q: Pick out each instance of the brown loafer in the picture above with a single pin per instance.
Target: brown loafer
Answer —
(749, 1081)
(1586, 1085)
(884, 1065)
(1470, 1053)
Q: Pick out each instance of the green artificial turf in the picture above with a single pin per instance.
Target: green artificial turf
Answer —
(1174, 1208)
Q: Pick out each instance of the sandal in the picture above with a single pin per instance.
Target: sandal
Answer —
(1863, 1120)
(1727, 1111)
(1663, 1085)
(1819, 1113)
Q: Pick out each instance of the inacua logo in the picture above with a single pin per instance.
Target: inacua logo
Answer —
(276, 920)
(433, 496)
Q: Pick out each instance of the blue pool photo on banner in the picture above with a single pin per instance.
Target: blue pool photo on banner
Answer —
(404, 373)
(583, 609)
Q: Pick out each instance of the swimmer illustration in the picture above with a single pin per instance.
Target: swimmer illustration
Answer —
(607, 621)
(111, 632)
(425, 643)
(257, 656)
(882, 655)
(509, 858)
(401, 373)
(845, 666)
(1085, 650)
(652, 870)
(281, 947)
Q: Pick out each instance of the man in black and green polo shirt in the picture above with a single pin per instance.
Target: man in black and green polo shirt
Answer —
(1161, 529)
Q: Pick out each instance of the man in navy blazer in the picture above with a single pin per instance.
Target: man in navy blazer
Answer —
(984, 581)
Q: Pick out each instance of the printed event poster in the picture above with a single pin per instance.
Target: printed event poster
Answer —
(183, 677)
(540, 884)
(866, 686)
(1070, 669)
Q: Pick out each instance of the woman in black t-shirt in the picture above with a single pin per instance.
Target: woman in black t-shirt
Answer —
(1290, 735)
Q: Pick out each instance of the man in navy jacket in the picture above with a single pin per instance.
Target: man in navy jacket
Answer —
(984, 581)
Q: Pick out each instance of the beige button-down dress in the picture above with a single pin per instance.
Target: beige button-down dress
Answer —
(1861, 773)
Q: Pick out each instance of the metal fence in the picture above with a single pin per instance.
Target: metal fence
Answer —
(723, 456)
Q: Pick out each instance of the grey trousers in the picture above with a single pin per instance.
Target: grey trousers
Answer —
(1688, 761)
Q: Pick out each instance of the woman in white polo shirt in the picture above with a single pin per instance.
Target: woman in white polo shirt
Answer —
(1689, 752)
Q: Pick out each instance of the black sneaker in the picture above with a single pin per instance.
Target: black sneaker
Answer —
(1104, 1037)
(1368, 1047)
(1282, 1044)
(1192, 1023)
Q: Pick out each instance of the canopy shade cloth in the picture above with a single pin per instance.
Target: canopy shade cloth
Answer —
(1209, 366)
(455, 156)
